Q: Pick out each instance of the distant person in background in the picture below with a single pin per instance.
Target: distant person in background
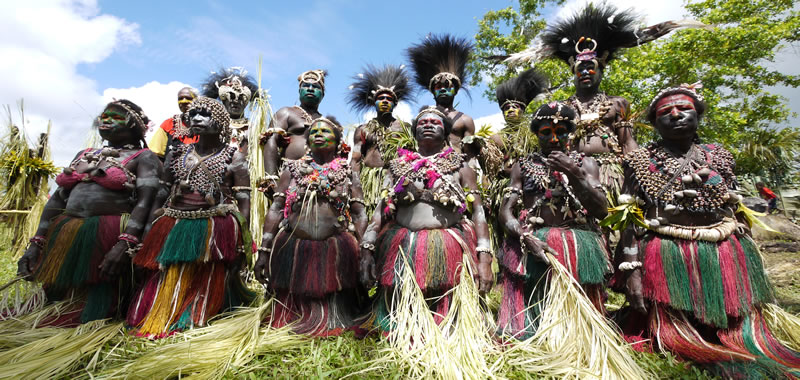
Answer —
(174, 131)
(768, 195)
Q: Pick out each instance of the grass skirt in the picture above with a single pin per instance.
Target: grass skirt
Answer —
(315, 283)
(192, 275)
(707, 305)
(68, 268)
(522, 279)
(436, 258)
(611, 175)
(371, 183)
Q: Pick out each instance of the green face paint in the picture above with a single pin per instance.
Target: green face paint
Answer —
(110, 118)
(321, 135)
(311, 93)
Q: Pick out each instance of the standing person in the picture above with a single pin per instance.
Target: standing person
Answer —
(95, 220)
(422, 216)
(768, 195)
(235, 89)
(174, 131)
(309, 255)
(373, 143)
(199, 241)
(694, 277)
(554, 200)
(440, 66)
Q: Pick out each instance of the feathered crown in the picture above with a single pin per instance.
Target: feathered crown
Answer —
(521, 89)
(440, 58)
(229, 79)
(373, 81)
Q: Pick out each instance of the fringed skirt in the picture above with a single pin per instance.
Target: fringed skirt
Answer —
(68, 267)
(371, 183)
(194, 264)
(611, 175)
(315, 283)
(435, 257)
(706, 305)
(523, 279)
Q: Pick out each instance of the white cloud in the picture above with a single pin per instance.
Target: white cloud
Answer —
(402, 112)
(42, 42)
(495, 121)
(159, 101)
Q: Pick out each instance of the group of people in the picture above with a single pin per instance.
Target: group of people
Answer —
(422, 197)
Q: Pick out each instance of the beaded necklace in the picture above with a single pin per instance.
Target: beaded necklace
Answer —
(413, 167)
(699, 184)
(193, 177)
(304, 115)
(239, 130)
(591, 121)
(108, 155)
(558, 195)
(324, 180)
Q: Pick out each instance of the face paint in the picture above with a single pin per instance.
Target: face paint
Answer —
(673, 104)
(311, 93)
(430, 126)
(444, 90)
(201, 123)
(512, 111)
(321, 135)
(110, 119)
(587, 74)
(676, 117)
(384, 103)
(553, 136)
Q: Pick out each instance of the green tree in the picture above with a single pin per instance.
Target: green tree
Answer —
(732, 61)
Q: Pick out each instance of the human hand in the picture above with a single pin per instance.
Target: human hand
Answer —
(260, 269)
(633, 291)
(535, 247)
(26, 263)
(485, 277)
(558, 160)
(367, 273)
(113, 260)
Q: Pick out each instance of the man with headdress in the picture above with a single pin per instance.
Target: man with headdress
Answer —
(285, 137)
(174, 131)
(375, 143)
(235, 89)
(588, 41)
(440, 64)
(693, 275)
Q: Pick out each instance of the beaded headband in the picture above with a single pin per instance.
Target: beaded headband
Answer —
(380, 90)
(432, 110)
(218, 114)
(517, 102)
(326, 121)
(555, 118)
(444, 77)
(132, 113)
(313, 76)
(688, 89)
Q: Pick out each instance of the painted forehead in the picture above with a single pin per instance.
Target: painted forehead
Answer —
(430, 115)
(322, 124)
(674, 100)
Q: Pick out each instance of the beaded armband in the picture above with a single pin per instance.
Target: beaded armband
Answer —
(357, 200)
(38, 241)
(240, 189)
(508, 190)
(629, 265)
(485, 250)
(368, 246)
(278, 194)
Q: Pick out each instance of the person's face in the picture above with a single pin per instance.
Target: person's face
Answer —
(553, 136)
(512, 111)
(430, 127)
(311, 93)
(321, 137)
(201, 123)
(114, 124)
(235, 102)
(444, 90)
(676, 117)
(384, 102)
(185, 98)
(588, 75)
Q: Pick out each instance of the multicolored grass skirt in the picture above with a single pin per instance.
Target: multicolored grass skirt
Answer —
(371, 183)
(436, 258)
(706, 305)
(524, 283)
(315, 283)
(68, 268)
(190, 280)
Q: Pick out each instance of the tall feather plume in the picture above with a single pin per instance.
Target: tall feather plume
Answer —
(361, 96)
(209, 86)
(523, 88)
(439, 54)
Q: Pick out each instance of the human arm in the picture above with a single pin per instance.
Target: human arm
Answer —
(355, 159)
(357, 210)
(54, 206)
(513, 196)
(628, 250)
(584, 182)
(367, 271)
(271, 154)
(240, 180)
(469, 180)
(274, 217)
(622, 127)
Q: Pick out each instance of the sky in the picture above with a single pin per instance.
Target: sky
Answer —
(68, 58)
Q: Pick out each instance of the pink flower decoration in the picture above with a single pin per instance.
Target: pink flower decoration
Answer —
(432, 177)
(420, 163)
(399, 188)
(548, 194)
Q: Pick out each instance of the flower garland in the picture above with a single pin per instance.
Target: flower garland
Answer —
(330, 180)
(413, 167)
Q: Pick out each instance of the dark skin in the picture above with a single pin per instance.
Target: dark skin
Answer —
(319, 224)
(416, 215)
(587, 85)
(366, 152)
(291, 120)
(88, 199)
(512, 113)
(185, 97)
(445, 94)
(582, 179)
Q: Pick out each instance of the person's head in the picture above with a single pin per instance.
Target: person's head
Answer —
(385, 101)
(208, 117)
(512, 110)
(431, 123)
(440, 65)
(122, 122)
(552, 124)
(311, 87)
(445, 86)
(324, 134)
(676, 112)
(514, 95)
(378, 88)
(760, 185)
(185, 97)
(233, 87)
(588, 74)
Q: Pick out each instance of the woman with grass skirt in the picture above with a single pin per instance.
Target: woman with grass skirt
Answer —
(552, 204)
(693, 275)
(95, 219)
(309, 253)
(421, 222)
(200, 239)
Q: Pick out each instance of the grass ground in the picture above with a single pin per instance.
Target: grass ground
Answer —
(337, 357)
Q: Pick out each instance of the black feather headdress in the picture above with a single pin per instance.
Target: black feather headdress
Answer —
(232, 76)
(440, 58)
(374, 80)
(521, 89)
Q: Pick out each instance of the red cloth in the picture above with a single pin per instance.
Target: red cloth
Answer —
(169, 127)
(766, 193)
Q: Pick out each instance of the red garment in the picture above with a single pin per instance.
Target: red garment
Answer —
(766, 193)
(169, 127)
